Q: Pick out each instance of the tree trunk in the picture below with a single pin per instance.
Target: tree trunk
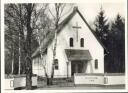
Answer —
(19, 55)
(12, 57)
(28, 74)
(55, 44)
(28, 62)
(54, 54)
(28, 48)
(12, 60)
(21, 27)
(49, 81)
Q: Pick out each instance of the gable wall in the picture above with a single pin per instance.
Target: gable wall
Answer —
(91, 44)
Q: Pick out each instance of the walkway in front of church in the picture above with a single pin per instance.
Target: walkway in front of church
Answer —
(72, 86)
(81, 88)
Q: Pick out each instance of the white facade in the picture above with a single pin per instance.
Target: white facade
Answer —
(90, 43)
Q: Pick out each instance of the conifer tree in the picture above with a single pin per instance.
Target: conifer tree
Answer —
(101, 26)
(118, 39)
(102, 32)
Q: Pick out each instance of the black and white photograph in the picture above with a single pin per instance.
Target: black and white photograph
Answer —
(64, 46)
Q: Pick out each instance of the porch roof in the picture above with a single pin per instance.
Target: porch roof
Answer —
(75, 54)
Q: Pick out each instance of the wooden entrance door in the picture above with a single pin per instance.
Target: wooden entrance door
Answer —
(77, 67)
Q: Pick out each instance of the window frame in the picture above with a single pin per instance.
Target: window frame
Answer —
(96, 63)
(82, 42)
(71, 42)
(56, 64)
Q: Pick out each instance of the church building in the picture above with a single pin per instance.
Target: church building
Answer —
(78, 49)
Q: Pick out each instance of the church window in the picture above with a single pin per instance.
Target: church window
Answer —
(56, 64)
(96, 64)
(71, 42)
(82, 42)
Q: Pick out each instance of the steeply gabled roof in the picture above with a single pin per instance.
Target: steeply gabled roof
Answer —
(50, 36)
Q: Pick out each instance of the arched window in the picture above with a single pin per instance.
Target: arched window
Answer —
(71, 42)
(96, 64)
(56, 64)
(82, 42)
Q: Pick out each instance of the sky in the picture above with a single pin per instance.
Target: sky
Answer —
(90, 10)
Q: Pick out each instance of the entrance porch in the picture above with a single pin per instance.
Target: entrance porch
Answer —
(78, 60)
(78, 66)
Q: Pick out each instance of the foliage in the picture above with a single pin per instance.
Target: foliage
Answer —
(60, 11)
(117, 45)
(102, 27)
(21, 21)
(113, 37)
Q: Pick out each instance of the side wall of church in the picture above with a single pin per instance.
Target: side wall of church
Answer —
(38, 65)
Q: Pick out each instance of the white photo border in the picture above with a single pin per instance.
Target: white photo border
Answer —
(60, 1)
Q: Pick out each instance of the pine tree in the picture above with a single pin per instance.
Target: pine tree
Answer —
(118, 49)
(101, 26)
(102, 32)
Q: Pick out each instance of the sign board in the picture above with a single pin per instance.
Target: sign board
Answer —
(99, 79)
(85, 79)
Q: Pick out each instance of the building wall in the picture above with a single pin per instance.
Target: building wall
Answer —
(37, 66)
(90, 43)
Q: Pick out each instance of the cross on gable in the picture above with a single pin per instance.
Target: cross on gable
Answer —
(76, 27)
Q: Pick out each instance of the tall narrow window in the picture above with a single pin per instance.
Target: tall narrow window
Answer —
(56, 64)
(96, 64)
(82, 42)
(71, 42)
